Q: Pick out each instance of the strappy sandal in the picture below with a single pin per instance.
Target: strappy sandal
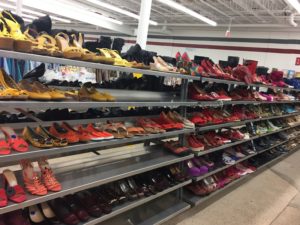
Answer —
(103, 56)
(69, 52)
(38, 43)
(6, 41)
(122, 130)
(118, 59)
(51, 45)
(21, 42)
(15, 142)
(4, 145)
(10, 89)
(48, 177)
(86, 55)
(32, 182)
(14, 191)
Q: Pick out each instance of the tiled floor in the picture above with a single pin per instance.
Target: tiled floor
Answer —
(270, 198)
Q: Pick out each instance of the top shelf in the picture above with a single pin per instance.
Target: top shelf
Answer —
(79, 63)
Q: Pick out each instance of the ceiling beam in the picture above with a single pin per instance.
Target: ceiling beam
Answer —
(214, 8)
(266, 9)
(246, 8)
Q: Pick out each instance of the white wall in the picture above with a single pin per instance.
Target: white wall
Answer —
(271, 60)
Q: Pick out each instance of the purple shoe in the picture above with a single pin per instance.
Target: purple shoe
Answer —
(202, 167)
(192, 169)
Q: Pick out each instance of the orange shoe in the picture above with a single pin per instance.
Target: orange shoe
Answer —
(97, 133)
(31, 180)
(63, 133)
(83, 136)
(48, 177)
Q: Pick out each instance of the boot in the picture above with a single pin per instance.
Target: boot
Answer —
(118, 44)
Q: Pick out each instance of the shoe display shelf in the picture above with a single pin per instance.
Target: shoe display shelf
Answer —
(96, 171)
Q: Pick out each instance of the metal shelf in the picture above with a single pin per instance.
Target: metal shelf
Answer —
(71, 149)
(40, 105)
(85, 178)
(239, 123)
(196, 200)
(130, 205)
(214, 80)
(273, 146)
(167, 214)
(223, 168)
(222, 103)
(64, 61)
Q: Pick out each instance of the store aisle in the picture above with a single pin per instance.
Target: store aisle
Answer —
(270, 198)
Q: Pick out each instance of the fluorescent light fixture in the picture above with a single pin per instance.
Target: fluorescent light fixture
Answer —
(119, 10)
(188, 11)
(69, 11)
(27, 20)
(60, 19)
(295, 4)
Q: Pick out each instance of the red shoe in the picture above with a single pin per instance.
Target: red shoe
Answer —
(223, 94)
(196, 93)
(62, 133)
(3, 196)
(176, 148)
(48, 177)
(198, 120)
(228, 117)
(15, 192)
(232, 134)
(235, 96)
(194, 143)
(16, 218)
(32, 182)
(239, 113)
(220, 97)
(83, 136)
(216, 119)
(4, 145)
(15, 142)
(97, 134)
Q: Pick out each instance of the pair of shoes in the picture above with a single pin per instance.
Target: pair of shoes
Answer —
(176, 148)
(10, 189)
(196, 168)
(9, 140)
(39, 185)
(194, 143)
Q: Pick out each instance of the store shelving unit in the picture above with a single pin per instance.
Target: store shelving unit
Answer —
(99, 172)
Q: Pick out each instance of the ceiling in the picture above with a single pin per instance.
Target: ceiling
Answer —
(241, 13)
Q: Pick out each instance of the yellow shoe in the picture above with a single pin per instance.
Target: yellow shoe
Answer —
(33, 92)
(108, 97)
(86, 55)
(118, 59)
(21, 42)
(105, 56)
(68, 51)
(55, 95)
(6, 41)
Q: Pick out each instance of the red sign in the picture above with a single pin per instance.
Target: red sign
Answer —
(297, 61)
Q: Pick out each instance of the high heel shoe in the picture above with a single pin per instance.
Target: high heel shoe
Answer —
(48, 177)
(21, 42)
(14, 191)
(31, 179)
(35, 139)
(57, 142)
(63, 42)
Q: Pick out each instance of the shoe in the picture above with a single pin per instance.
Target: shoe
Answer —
(57, 142)
(15, 142)
(82, 136)
(63, 212)
(35, 139)
(48, 213)
(176, 148)
(63, 133)
(5, 146)
(193, 170)
(197, 94)
(88, 201)
(98, 134)
(48, 177)
(227, 159)
(76, 208)
(195, 144)
(32, 92)
(14, 191)
(16, 218)
(6, 41)
(35, 215)
(3, 196)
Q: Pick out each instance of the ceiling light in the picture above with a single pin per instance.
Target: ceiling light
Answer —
(295, 4)
(188, 11)
(27, 20)
(69, 11)
(119, 10)
(60, 19)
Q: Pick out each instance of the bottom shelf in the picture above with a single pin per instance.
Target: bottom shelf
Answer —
(197, 200)
(130, 205)
(153, 213)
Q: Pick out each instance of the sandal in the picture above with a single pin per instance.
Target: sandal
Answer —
(110, 128)
(38, 43)
(14, 191)
(4, 145)
(86, 55)
(32, 182)
(21, 42)
(122, 130)
(86, 93)
(136, 131)
(48, 177)
(3, 196)
(69, 52)
(118, 59)
(33, 92)
(16, 143)
(6, 41)
(104, 56)
(51, 45)
(9, 88)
